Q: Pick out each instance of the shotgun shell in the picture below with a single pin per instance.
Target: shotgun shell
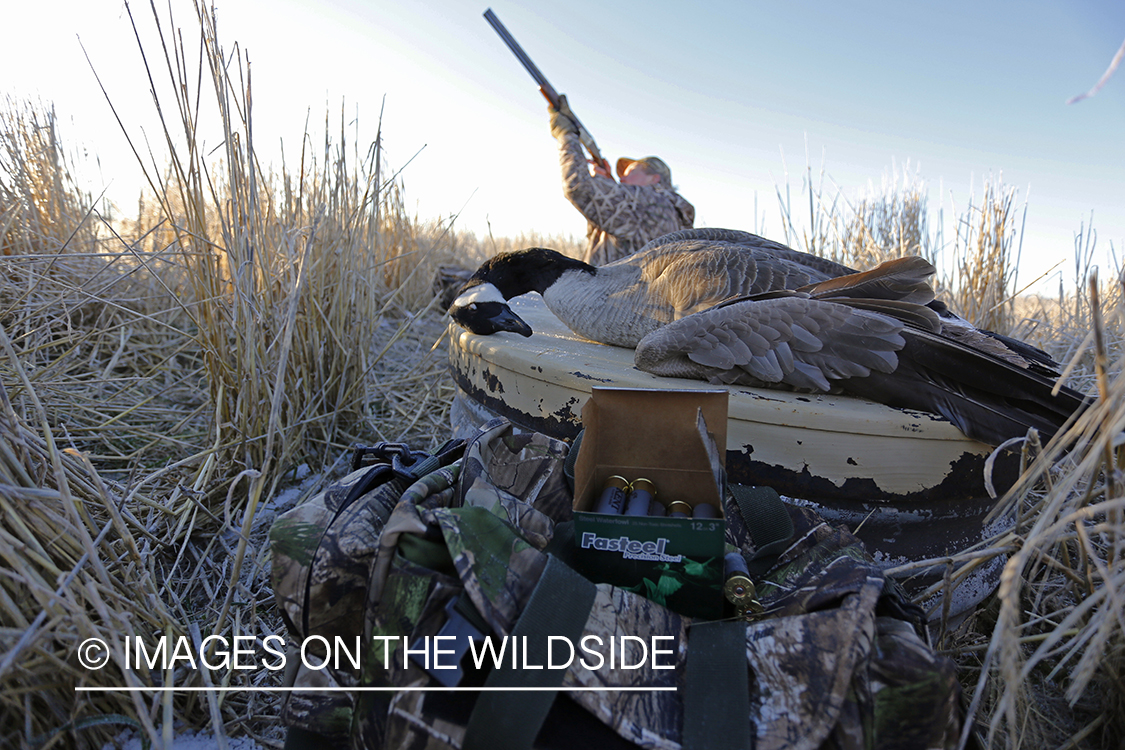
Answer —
(679, 509)
(640, 497)
(612, 500)
(737, 586)
(739, 591)
(656, 508)
(705, 510)
(734, 562)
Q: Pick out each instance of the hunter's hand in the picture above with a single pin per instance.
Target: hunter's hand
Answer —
(562, 119)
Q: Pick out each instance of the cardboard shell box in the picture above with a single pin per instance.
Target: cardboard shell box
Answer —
(669, 437)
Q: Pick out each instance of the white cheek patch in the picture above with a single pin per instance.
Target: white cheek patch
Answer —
(478, 294)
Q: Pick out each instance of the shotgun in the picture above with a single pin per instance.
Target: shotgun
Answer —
(545, 88)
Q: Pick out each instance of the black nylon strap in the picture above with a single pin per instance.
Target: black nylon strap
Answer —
(446, 454)
(503, 720)
(716, 688)
(768, 522)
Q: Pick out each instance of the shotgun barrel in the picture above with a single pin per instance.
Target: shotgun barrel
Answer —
(545, 87)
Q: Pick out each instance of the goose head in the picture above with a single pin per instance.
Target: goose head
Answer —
(481, 305)
(482, 309)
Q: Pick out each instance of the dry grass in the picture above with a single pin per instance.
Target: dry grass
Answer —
(76, 334)
(163, 376)
(239, 326)
(1043, 663)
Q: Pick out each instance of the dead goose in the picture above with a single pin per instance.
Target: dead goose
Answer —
(619, 303)
(731, 307)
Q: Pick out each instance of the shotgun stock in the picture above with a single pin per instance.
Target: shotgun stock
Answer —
(545, 88)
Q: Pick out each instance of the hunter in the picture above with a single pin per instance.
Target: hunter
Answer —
(621, 218)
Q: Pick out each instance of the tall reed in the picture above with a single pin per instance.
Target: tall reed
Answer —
(976, 276)
(239, 325)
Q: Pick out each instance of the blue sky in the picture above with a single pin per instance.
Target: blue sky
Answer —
(732, 95)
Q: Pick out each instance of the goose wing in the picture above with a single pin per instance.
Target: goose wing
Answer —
(903, 279)
(828, 330)
(907, 280)
(785, 339)
(814, 264)
(887, 351)
(702, 277)
(986, 396)
(674, 244)
(693, 270)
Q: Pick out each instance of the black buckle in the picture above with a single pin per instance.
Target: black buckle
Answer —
(465, 626)
(398, 455)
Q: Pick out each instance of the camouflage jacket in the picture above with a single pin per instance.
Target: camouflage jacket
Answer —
(620, 218)
(836, 661)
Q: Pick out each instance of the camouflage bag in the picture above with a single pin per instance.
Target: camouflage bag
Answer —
(322, 552)
(836, 659)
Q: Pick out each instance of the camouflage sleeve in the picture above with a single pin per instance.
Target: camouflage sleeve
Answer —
(632, 214)
(602, 201)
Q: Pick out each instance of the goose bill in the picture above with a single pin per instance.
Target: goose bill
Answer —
(506, 320)
(486, 318)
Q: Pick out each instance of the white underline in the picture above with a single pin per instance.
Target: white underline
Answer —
(367, 689)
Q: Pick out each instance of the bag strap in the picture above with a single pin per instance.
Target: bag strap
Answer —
(559, 605)
(768, 522)
(716, 688)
